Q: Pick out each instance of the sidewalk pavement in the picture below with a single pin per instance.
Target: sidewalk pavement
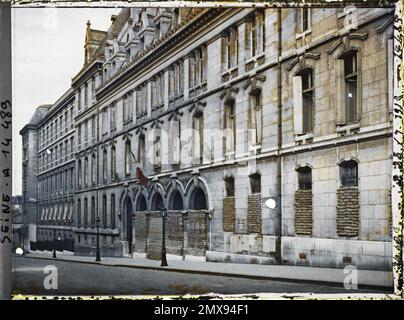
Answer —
(331, 276)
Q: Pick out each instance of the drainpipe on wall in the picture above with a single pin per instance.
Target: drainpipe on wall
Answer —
(278, 254)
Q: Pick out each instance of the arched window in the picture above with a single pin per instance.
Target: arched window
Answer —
(157, 202)
(176, 202)
(141, 204)
(349, 173)
(304, 178)
(198, 200)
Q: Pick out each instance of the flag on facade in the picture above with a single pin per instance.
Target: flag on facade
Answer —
(143, 180)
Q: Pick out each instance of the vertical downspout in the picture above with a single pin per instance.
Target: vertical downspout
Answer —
(278, 256)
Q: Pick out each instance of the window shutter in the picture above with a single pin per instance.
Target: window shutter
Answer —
(298, 105)
(340, 99)
(175, 136)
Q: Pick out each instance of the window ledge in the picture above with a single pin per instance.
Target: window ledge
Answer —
(255, 58)
(302, 34)
(348, 128)
(304, 137)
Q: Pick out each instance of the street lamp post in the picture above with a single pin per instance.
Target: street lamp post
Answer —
(163, 249)
(98, 257)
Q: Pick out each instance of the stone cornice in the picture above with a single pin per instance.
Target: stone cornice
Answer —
(155, 53)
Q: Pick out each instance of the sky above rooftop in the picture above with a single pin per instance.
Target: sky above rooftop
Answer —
(47, 52)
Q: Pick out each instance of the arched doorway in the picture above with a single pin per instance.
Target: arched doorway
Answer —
(128, 212)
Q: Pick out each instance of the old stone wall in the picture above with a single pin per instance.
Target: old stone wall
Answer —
(197, 232)
(154, 236)
(229, 214)
(348, 212)
(303, 212)
(140, 226)
(254, 213)
(175, 233)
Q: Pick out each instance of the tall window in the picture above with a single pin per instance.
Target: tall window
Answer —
(304, 178)
(255, 117)
(92, 211)
(142, 151)
(79, 173)
(349, 173)
(104, 211)
(105, 121)
(86, 170)
(176, 78)
(113, 163)
(306, 19)
(230, 48)
(93, 169)
(197, 137)
(351, 74)
(307, 88)
(256, 34)
(197, 67)
(175, 141)
(79, 212)
(112, 115)
(93, 125)
(112, 211)
(229, 126)
(128, 157)
(104, 161)
(86, 95)
(85, 212)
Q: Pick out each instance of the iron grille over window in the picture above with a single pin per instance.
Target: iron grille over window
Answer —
(304, 178)
(349, 173)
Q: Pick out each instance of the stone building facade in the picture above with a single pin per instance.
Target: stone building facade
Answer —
(266, 135)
